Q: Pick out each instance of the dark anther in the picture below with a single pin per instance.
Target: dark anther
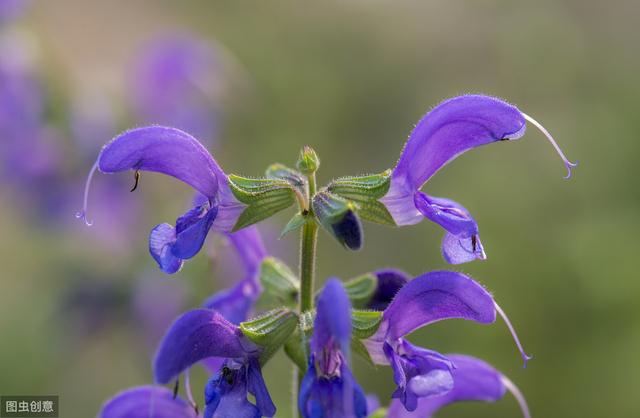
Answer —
(195, 408)
(504, 139)
(305, 212)
(176, 386)
(136, 176)
(227, 375)
(474, 243)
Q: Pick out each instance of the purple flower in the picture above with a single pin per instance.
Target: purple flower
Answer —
(204, 333)
(236, 303)
(450, 129)
(175, 153)
(174, 82)
(390, 281)
(226, 392)
(328, 389)
(428, 298)
(145, 402)
(473, 380)
(12, 9)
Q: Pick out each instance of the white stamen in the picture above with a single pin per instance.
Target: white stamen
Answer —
(187, 389)
(524, 355)
(511, 387)
(546, 133)
(83, 213)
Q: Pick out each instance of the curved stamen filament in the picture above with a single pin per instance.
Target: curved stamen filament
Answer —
(511, 387)
(83, 213)
(525, 356)
(187, 388)
(568, 164)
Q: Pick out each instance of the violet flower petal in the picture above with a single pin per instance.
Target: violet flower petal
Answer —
(234, 303)
(258, 388)
(450, 215)
(248, 243)
(474, 380)
(194, 336)
(164, 150)
(191, 232)
(145, 402)
(418, 372)
(332, 326)
(435, 296)
(451, 128)
(331, 397)
(456, 250)
(390, 281)
(161, 238)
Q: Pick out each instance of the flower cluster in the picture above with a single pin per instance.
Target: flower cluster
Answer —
(370, 315)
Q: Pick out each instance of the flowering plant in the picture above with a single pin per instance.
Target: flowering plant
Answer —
(370, 315)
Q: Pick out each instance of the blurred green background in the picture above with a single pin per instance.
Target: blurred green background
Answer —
(351, 78)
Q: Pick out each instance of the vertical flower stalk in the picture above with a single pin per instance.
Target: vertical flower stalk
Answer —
(308, 164)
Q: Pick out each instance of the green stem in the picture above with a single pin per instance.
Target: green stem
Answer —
(308, 254)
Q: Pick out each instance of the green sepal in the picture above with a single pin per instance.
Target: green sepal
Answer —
(365, 323)
(263, 197)
(297, 221)
(280, 285)
(296, 179)
(365, 191)
(359, 348)
(361, 289)
(270, 331)
(294, 349)
(297, 347)
(338, 216)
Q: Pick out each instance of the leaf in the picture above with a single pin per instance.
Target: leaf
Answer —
(263, 197)
(366, 192)
(281, 286)
(361, 289)
(297, 221)
(365, 323)
(271, 330)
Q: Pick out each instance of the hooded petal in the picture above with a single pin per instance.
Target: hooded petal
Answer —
(164, 150)
(451, 128)
(332, 326)
(390, 281)
(194, 336)
(145, 402)
(436, 296)
(473, 380)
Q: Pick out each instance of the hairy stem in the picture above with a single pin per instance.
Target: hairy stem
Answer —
(308, 254)
(308, 242)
